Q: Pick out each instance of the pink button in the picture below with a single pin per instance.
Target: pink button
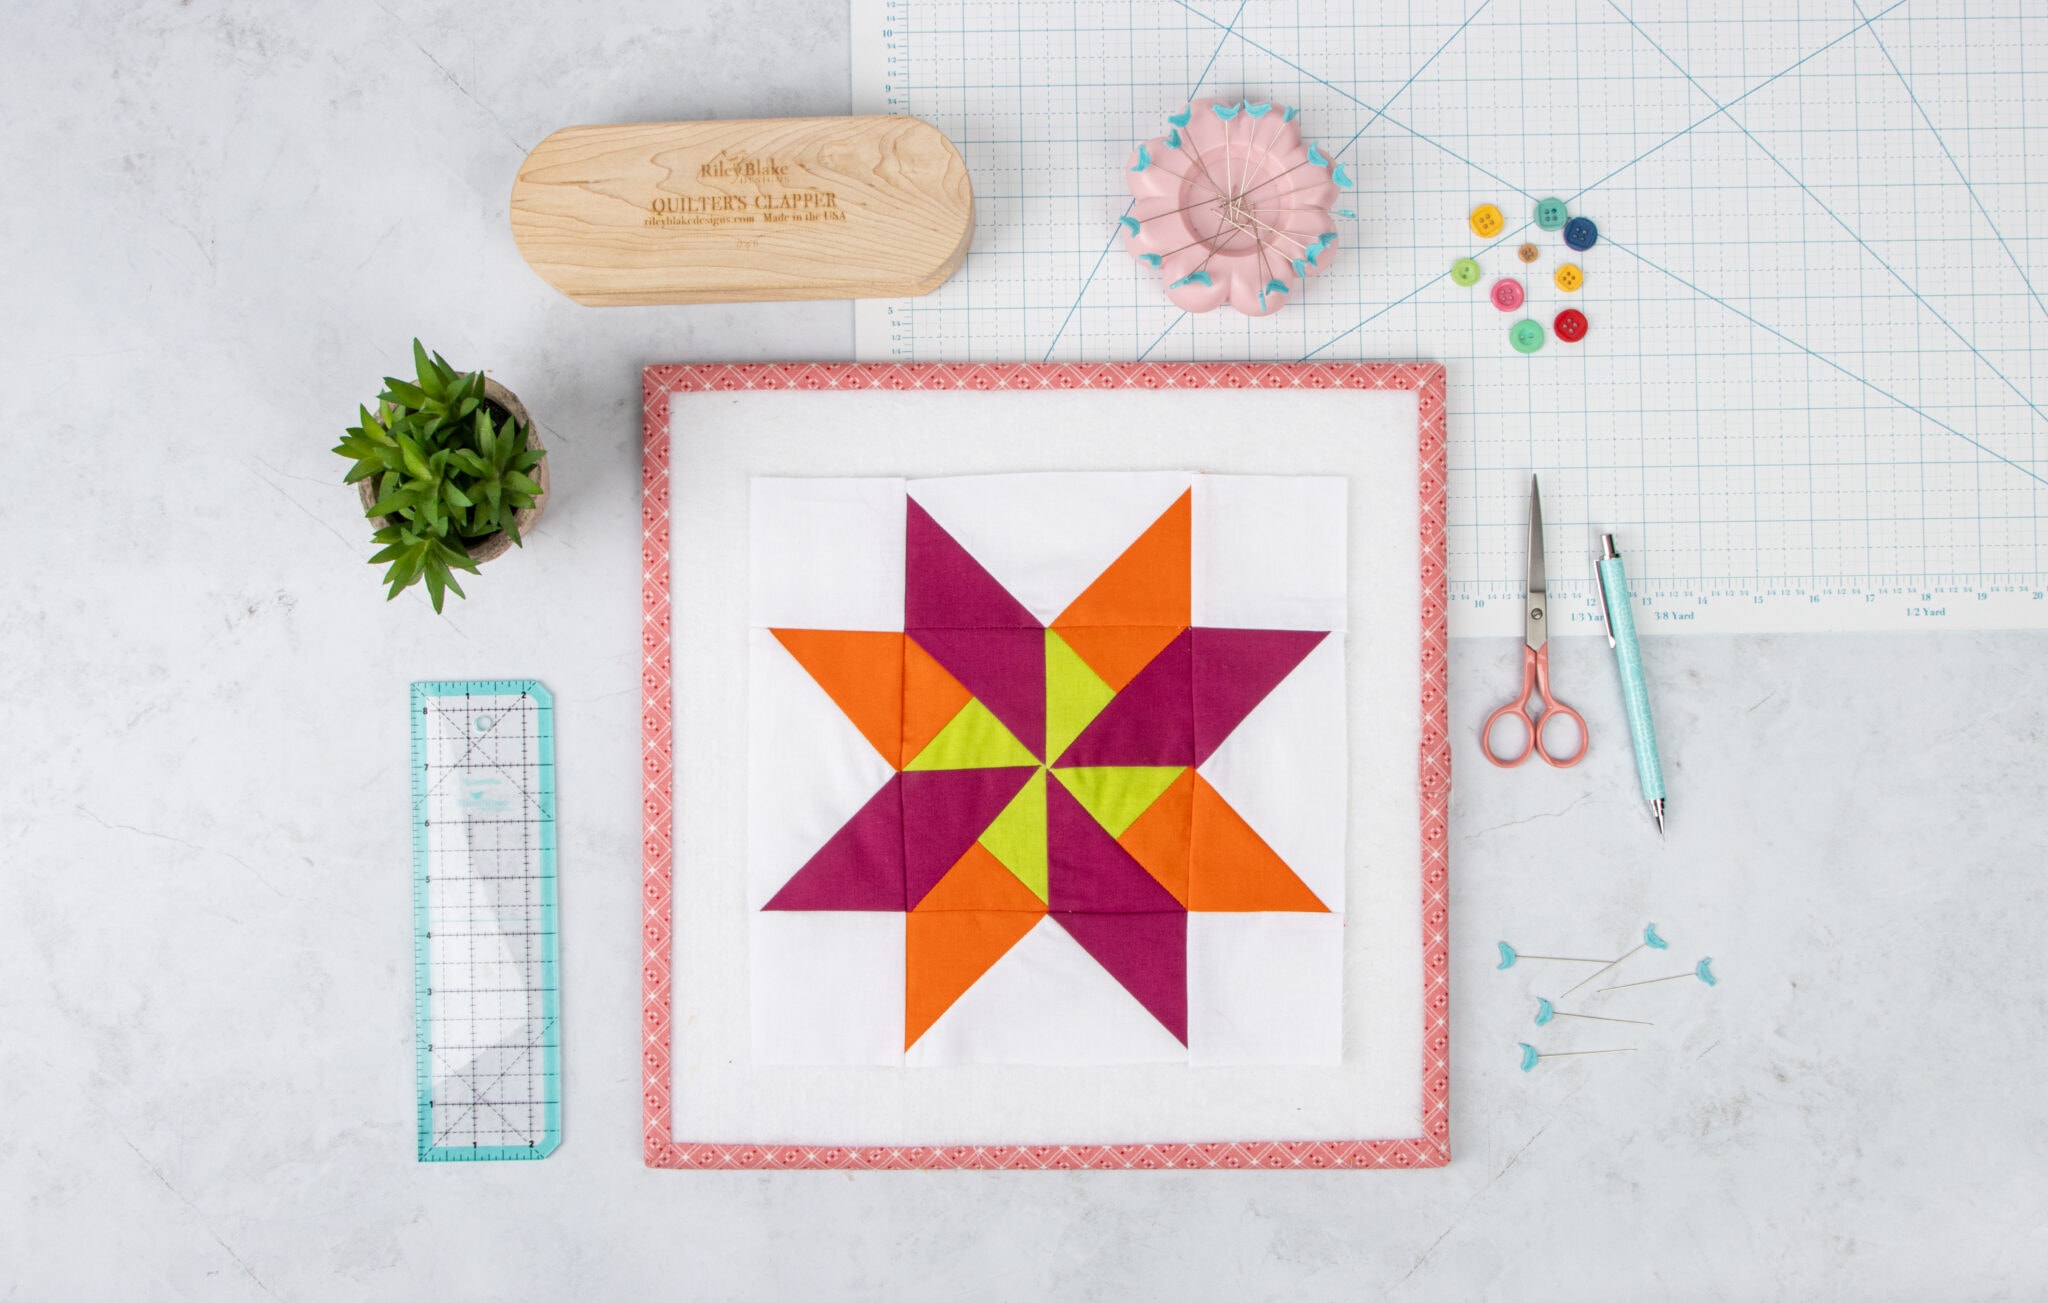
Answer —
(1507, 294)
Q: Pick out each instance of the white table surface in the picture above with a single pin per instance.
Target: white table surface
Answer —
(226, 220)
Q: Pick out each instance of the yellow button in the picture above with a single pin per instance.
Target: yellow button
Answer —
(1487, 221)
(1569, 277)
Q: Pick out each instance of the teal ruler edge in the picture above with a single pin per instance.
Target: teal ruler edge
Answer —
(500, 1122)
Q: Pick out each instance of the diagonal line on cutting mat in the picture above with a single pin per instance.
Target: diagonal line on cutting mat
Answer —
(1339, 91)
(1691, 127)
(1381, 111)
(1822, 357)
(1110, 243)
(1789, 68)
(1950, 154)
(1147, 351)
(1835, 217)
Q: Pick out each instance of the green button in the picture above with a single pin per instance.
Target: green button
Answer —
(1550, 214)
(1465, 271)
(1526, 336)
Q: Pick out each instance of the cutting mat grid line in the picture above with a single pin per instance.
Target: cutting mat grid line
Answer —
(485, 964)
(1814, 394)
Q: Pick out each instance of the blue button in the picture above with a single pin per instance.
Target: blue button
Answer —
(1581, 234)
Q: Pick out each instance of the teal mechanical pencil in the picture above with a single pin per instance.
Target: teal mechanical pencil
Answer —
(1619, 613)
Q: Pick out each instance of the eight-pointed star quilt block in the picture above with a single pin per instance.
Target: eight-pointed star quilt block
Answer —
(1048, 768)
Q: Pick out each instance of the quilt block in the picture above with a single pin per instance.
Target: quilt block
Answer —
(1047, 769)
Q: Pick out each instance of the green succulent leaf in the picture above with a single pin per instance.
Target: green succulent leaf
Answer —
(448, 469)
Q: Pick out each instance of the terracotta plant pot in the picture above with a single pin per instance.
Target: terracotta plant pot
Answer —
(496, 545)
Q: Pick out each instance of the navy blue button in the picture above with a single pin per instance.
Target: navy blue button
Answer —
(1581, 234)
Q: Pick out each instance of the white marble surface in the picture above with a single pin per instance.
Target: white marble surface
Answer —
(228, 219)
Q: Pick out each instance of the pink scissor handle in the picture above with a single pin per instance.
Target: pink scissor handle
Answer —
(1535, 678)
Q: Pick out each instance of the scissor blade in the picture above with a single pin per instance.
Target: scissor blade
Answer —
(1535, 622)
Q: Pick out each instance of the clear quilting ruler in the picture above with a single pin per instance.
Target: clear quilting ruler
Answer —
(487, 1041)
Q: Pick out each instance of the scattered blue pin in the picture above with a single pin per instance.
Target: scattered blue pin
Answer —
(1181, 118)
(1651, 941)
(1701, 970)
(1529, 1054)
(1144, 159)
(1196, 277)
(1508, 956)
(1129, 223)
(1546, 1011)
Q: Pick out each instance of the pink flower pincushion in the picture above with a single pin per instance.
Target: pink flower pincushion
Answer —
(1232, 206)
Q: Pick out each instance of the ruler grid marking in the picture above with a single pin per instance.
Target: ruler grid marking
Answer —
(487, 1053)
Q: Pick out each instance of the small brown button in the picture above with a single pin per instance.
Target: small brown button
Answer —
(1527, 253)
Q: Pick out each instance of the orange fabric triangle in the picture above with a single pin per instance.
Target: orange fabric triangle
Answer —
(1118, 652)
(947, 951)
(1148, 584)
(979, 881)
(1230, 867)
(862, 673)
(1159, 838)
(929, 698)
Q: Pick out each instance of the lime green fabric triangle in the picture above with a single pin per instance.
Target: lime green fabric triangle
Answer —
(1017, 837)
(1074, 695)
(1117, 796)
(975, 739)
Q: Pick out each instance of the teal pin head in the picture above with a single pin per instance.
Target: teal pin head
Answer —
(1652, 940)
(1544, 1012)
(1703, 972)
(1181, 118)
(1529, 1056)
(1507, 956)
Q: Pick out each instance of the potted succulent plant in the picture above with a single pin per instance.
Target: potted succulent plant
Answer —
(449, 471)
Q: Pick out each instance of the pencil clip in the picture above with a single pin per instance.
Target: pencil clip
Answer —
(1607, 553)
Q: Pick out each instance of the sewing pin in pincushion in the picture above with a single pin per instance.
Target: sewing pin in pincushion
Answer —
(1232, 206)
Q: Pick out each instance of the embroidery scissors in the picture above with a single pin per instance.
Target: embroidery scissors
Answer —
(1535, 666)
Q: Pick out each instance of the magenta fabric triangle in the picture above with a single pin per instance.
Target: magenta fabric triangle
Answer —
(1151, 722)
(1147, 954)
(1086, 871)
(944, 587)
(861, 867)
(1235, 670)
(1003, 668)
(944, 811)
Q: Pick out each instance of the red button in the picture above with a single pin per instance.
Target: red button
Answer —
(1570, 325)
(1507, 294)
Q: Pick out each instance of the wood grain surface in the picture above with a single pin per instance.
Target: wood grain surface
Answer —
(725, 212)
